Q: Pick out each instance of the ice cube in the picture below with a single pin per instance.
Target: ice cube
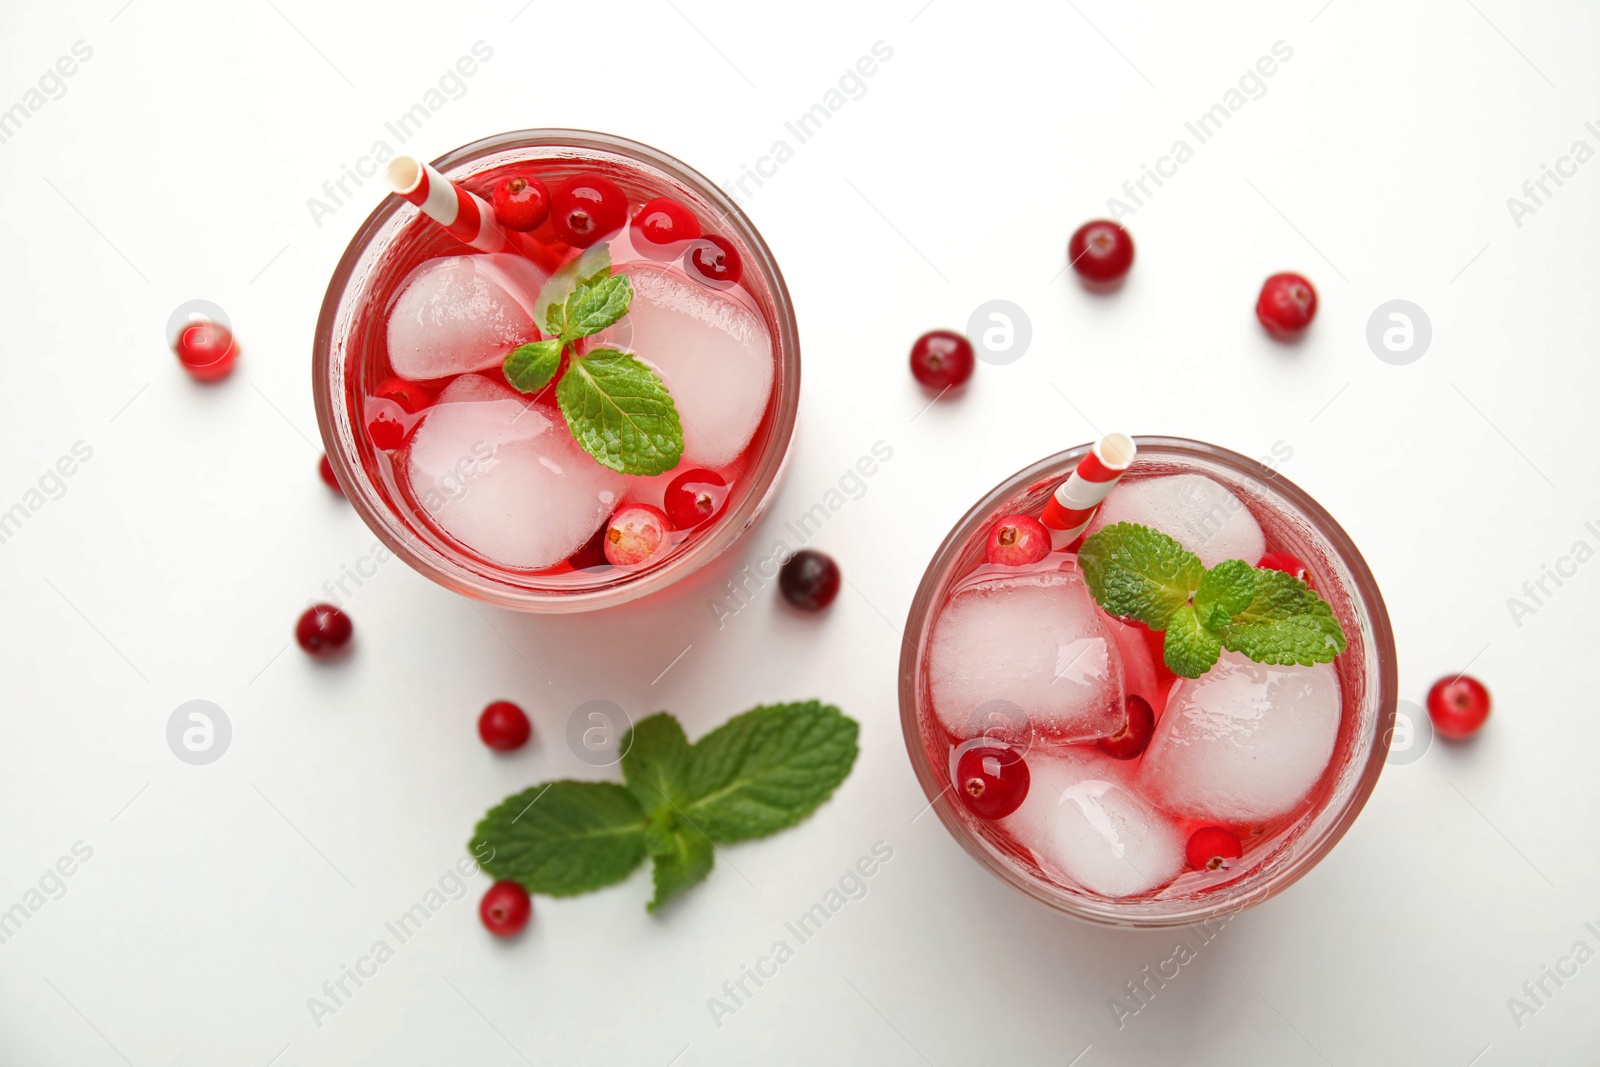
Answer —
(1245, 741)
(713, 352)
(1086, 826)
(1142, 674)
(1035, 641)
(1195, 510)
(458, 314)
(504, 477)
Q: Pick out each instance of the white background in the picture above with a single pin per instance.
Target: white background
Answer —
(178, 165)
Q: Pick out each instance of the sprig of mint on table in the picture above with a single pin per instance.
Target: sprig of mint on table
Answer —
(1270, 616)
(754, 775)
(617, 408)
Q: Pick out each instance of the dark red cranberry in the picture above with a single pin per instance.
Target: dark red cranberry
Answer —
(325, 469)
(1100, 251)
(411, 396)
(323, 630)
(992, 782)
(587, 207)
(505, 909)
(942, 358)
(592, 555)
(1286, 306)
(1211, 847)
(1282, 561)
(1458, 706)
(504, 727)
(1134, 737)
(207, 350)
(809, 580)
(716, 261)
(694, 497)
(385, 424)
(663, 228)
(521, 203)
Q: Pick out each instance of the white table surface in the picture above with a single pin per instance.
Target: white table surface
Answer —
(177, 164)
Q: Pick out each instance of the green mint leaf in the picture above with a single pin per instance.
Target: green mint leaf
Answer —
(1285, 622)
(1225, 591)
(563, 838)
(686, 863)
(594, 263)
(658, 835)
(530, 367)
(621, 413)
(653, 767)
(1138, 573)
(1189, 648)
(767, 769)
(594, 305)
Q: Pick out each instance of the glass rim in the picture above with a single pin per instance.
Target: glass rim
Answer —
(1110, 911)
(478, 580)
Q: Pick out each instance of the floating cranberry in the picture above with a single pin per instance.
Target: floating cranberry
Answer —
(521, 203)
(1282, 561)
(634, 534)
(411, 396)
(587, 207)
(1134, 737)
(716, 261)
(695, 497)
(1017, 540)
(992, 782)
(663, 228)
(1211, 847)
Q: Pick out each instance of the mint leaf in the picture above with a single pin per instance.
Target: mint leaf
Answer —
(1138, 573)
(653, 766)
(530, 367)
(1285, 622)
(1189, 648)
(594, 305)
(594, 263)
(564, 838)
(621, 413)
(1225, 591)
(767, 769)
(685, 864)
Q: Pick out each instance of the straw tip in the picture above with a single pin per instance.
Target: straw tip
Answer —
(403, 173)
(1117, 450)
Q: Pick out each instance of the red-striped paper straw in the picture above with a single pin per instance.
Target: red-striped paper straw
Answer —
(1069, 511)
(467, 218)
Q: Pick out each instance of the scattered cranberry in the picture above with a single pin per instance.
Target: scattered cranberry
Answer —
(1458, 706)
(1211, 847)
(992, 782)
(634, 534)
(716, 260)
(505, 909)
(941, 358)
(1282, 561)
(206, 350)
(1131, 741)
(809, 580)
(587, 207)
(1017, 540)
(1286, 306)
(695, 497)
(1100, 251)
(409, 395)
(326, 470)
(323, 630)
(521, 203)
(664, 227)
(504, 727)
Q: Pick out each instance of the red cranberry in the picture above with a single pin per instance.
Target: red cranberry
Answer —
(663, 228)
(1211, 847)
(326, 470)
(207, 350)
(592, 555)
(410, 395)
(385, 425)
(1286, 306)
(505, 909)
(941, 358)
(521, 203)
(1100, 251)
(716, 261)
(634, 534)
(1282, 561)
(504, 727)
(323, 630)
(809, 580)
(587, 207)
(695, 497)
(1017, 540)
(992, 782)
(1131, 741)
(1458, 706)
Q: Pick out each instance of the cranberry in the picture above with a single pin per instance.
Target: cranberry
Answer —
(206, 350)
(941, 358)
(1131, 741)
(1282, 561)
(1211, 847)
(504, 727)
(634, 534)
(717, 261)
(326, 470)
(521, 203)
(1458, 706)
(1100, 251)
(1286, 306)
(323, 630)
(992, 782)
(663, 228)
(1017, 540)
(505, 909)
(587, 207)
(592, 555)
(408, 394)
(695, 497)
(385, 425)
(809, 580)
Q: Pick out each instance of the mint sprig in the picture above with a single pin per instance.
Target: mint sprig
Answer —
(1268, 615)
(616, 407)
(758, 773)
